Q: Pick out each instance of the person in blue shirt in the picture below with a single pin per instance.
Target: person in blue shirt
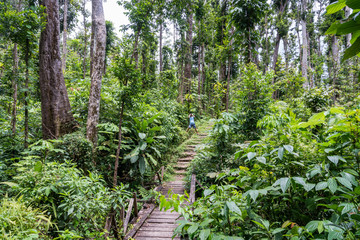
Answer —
(192, 123)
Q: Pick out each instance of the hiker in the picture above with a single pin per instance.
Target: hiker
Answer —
(192, 123)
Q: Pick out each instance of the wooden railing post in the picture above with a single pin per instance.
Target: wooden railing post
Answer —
(162, 173)
(128, 214)
(135, 205)
(192, 188)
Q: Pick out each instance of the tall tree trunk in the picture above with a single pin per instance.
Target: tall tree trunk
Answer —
(85, 39)
(266, 45)
(202, 88)
(188, 55)
(15, 89)
(65, 36)
(228, 82)
(297, 27)
(98, 60)
(276, 52)
(305, 46)
(336, 61)
(135, 54)
(182, 83)
(350, 64)
(26, 132)
(286, 44)
(119, 144)
(348, 12)
(199, 71)
(57, 118)
(160, 47)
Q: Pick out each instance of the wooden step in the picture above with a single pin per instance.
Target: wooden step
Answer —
(182, 165)
(180, 172)
(156, 238)
(151, 234)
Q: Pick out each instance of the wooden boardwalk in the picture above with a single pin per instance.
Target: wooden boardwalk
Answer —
(160, 225)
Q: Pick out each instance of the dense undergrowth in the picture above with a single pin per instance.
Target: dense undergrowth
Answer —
(62, 189)
(293, 175)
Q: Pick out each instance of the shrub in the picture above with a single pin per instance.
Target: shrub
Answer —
(19, 221)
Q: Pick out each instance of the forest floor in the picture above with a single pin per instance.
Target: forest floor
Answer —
(160, 225)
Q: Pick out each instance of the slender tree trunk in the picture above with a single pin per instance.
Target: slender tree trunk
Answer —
(182, 83)
(305, 46)
(350, 64)
(336, 61)
(202, 89)
(119, 144)
(85, 40)
(136, 52)
(188, 55)
(228, 82)
(98, 60)
(15, 89)
(26, 132)
(297, 27)
(286, 44)
(160, 47)
(65, 36)
(199, 71)
(266, 45)
(57, 118)
(276, 52)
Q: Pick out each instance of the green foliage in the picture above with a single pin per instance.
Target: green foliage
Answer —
(291, 184)
(76, 148)
(318, 99)
(252, 98)
(349, 26)
(19, 221)
(74, 201)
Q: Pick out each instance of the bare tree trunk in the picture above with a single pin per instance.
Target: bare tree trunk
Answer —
(160, 48)
(203, 69)
(26, 132)
(15, 89)
(85, 39)
(297, 27)
(228, 82)
(119, 144)
(350, 64)
(276, 51)
(188, 55)
(182, 83)
(135, 54)
(336, 61)
(266, 44)
(57, 118)
(65, 36)
(98, 61)
(199, 71)
(286, 44)
(305, 46)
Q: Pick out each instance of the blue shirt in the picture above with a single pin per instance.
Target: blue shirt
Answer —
(192, 120)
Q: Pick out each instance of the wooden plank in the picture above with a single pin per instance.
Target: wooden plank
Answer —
(139, 223)
(158, 228)
(162, 220)
(192, 188)
(128, 214)
(167, 214)
(150, 234)
(165, 225)
(155, 238)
